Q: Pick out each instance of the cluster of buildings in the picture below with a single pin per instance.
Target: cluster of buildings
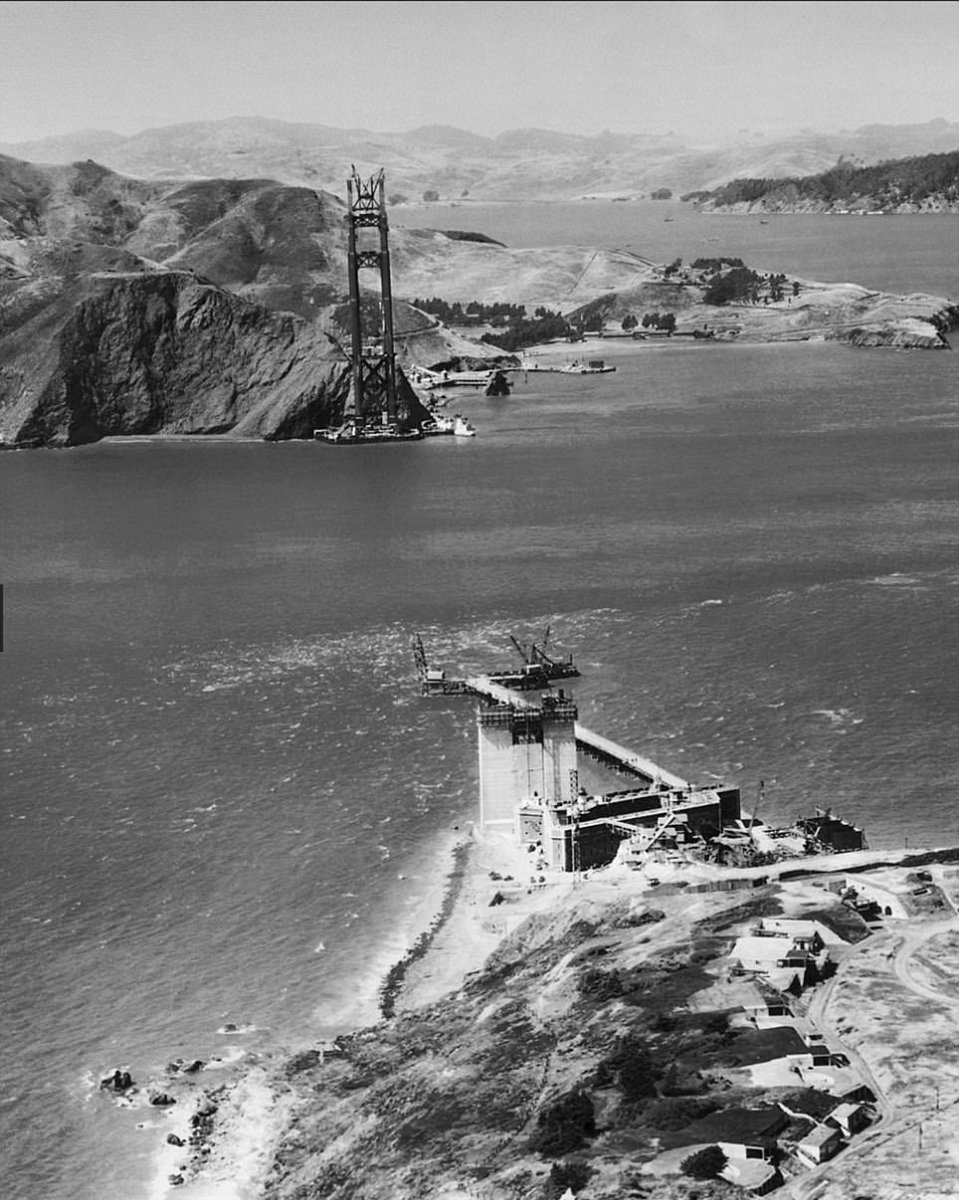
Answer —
(768, 965)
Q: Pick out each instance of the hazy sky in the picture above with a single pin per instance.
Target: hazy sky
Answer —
(581, 67)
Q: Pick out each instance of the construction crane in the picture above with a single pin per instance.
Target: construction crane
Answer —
(536, 659)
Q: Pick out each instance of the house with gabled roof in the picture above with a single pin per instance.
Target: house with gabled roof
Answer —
(820, 1144)
(848, 1118)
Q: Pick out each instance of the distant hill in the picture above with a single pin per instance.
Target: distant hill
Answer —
(521, 164)
(131, 306)
(924, 183)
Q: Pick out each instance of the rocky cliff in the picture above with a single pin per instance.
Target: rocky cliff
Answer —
(148, 352)
(131, 307)
(214, 306)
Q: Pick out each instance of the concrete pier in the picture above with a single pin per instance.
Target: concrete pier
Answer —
(529, 782)
(608, 751)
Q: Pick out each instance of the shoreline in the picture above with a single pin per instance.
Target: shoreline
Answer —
(393, 985)
(492, 894)
(488, 892)
(229, 1131)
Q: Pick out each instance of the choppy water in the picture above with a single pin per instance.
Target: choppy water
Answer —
(223, 797)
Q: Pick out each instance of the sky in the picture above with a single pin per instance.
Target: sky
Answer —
(394, 65)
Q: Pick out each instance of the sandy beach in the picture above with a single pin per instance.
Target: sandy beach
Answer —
(472, 925)
(453, 931)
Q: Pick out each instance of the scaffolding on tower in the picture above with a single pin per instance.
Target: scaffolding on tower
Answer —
(376, 402)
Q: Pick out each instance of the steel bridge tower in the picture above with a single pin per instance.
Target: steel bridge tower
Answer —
(373, 356)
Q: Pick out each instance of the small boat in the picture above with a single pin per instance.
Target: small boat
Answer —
(593, 366)
(462, 427)
(466, 378)
(423, 377)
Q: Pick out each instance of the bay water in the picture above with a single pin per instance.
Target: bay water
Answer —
(225, 802)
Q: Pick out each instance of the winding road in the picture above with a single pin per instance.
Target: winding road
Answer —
(894, 1121)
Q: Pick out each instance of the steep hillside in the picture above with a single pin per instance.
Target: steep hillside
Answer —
(139, 308)
(141, 352)
(131, 306)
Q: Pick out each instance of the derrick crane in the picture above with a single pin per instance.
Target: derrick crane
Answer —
(537, 660)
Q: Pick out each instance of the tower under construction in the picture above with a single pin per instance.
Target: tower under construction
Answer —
(374, 393)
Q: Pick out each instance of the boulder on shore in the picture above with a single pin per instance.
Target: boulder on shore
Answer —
(119, 1081)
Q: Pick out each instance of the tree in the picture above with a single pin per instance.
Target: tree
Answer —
(704, 1164)
(396, 198)
(564, 1125)
(566, 1176)
(430, 196)
(739, 283)
(629, 322)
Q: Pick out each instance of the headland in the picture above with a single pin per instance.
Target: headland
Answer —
(699, 1012)
(597, 1031)
(212, 307)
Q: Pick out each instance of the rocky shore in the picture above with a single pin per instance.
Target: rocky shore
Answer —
(595, 1033)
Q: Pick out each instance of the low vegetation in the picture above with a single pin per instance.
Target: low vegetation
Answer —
(569, 1060)
(514, 328)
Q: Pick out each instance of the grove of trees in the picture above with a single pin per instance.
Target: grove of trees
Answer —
(886, 184)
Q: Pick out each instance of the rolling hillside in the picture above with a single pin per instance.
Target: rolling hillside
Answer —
(520, 164)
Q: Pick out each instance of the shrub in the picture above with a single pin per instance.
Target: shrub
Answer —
(601, 985)
(633, 1068)
(636, 1079)
(704, 1164)
(563, 1175)
(563, 1126)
